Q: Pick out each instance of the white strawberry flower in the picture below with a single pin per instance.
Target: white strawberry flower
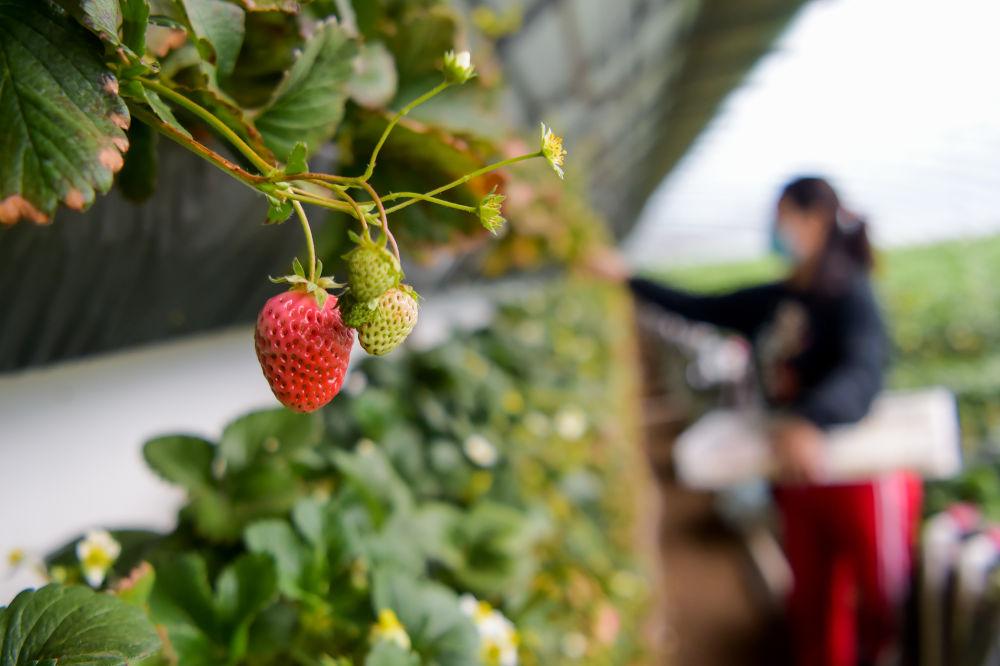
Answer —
(390, 629)
(571, 423)
(480, 450)
(489, 210)
(97, 551)
(498, 637)
(552, 150)
(15, 557)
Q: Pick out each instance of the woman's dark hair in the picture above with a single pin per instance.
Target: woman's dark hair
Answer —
(847, 248)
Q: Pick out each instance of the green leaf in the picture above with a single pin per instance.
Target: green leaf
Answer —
(374, 82)
(183, 595)
(101, 17)
(310, 520)
(370, 473)
(496, 543)
(63, 122)
(180, 459)
(203, 627)
(219, 27)
(434, 524)
(430, 31)
(73, 625)
(308, 105)
(135, 589)
(159, 107)
(135, 18)
(440, 632)
(214, 516)
(269, 47)
(275, 431)
(297, 159)
(384, 653)
(137, 179)
(277, 539)
(243, 589)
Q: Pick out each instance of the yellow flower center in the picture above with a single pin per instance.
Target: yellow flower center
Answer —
(15, 557)
(553, 149)
(491, 654)
(97, 558)
(390, 629)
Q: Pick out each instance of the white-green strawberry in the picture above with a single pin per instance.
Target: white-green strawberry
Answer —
(393, 318)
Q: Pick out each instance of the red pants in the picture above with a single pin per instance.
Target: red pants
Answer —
(850, 547)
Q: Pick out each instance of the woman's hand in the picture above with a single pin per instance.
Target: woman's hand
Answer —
(797, 445)
(606, 263)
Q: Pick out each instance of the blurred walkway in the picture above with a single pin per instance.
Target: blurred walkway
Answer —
(713, 607)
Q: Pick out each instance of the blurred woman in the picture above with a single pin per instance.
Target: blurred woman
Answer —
(820, 350)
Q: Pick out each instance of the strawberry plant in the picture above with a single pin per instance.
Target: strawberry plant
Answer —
(458, 506)
(258, 90)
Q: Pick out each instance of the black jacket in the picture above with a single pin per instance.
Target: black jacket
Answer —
(821, 357)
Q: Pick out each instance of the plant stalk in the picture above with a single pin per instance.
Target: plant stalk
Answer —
(310, 245)
(212, 120)
(455, 183)
(433, 200)
(395, 120)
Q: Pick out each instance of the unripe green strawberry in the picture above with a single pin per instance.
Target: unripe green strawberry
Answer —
(372, 270)
(395, 316)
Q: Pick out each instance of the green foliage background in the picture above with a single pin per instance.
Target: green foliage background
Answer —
(298, 529)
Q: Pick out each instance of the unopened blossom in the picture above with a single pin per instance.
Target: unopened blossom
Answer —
(458, 67)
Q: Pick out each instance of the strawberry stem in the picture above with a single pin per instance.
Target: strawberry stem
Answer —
(435, 200)
(341, 191)
(392, 123)
(202, 151)
(214, 122)
(310, 245)
(455, 183)
(384, 220)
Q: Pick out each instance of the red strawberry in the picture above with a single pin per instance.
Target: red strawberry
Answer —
(303, 349)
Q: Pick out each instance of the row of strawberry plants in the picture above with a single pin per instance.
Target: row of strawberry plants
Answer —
(457, 505)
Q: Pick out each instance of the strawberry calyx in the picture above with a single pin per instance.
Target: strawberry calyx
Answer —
(366, 242)
(410, 291)
(298, 281)
(371, 268)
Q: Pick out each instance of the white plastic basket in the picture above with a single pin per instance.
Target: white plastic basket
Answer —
(905, 430)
